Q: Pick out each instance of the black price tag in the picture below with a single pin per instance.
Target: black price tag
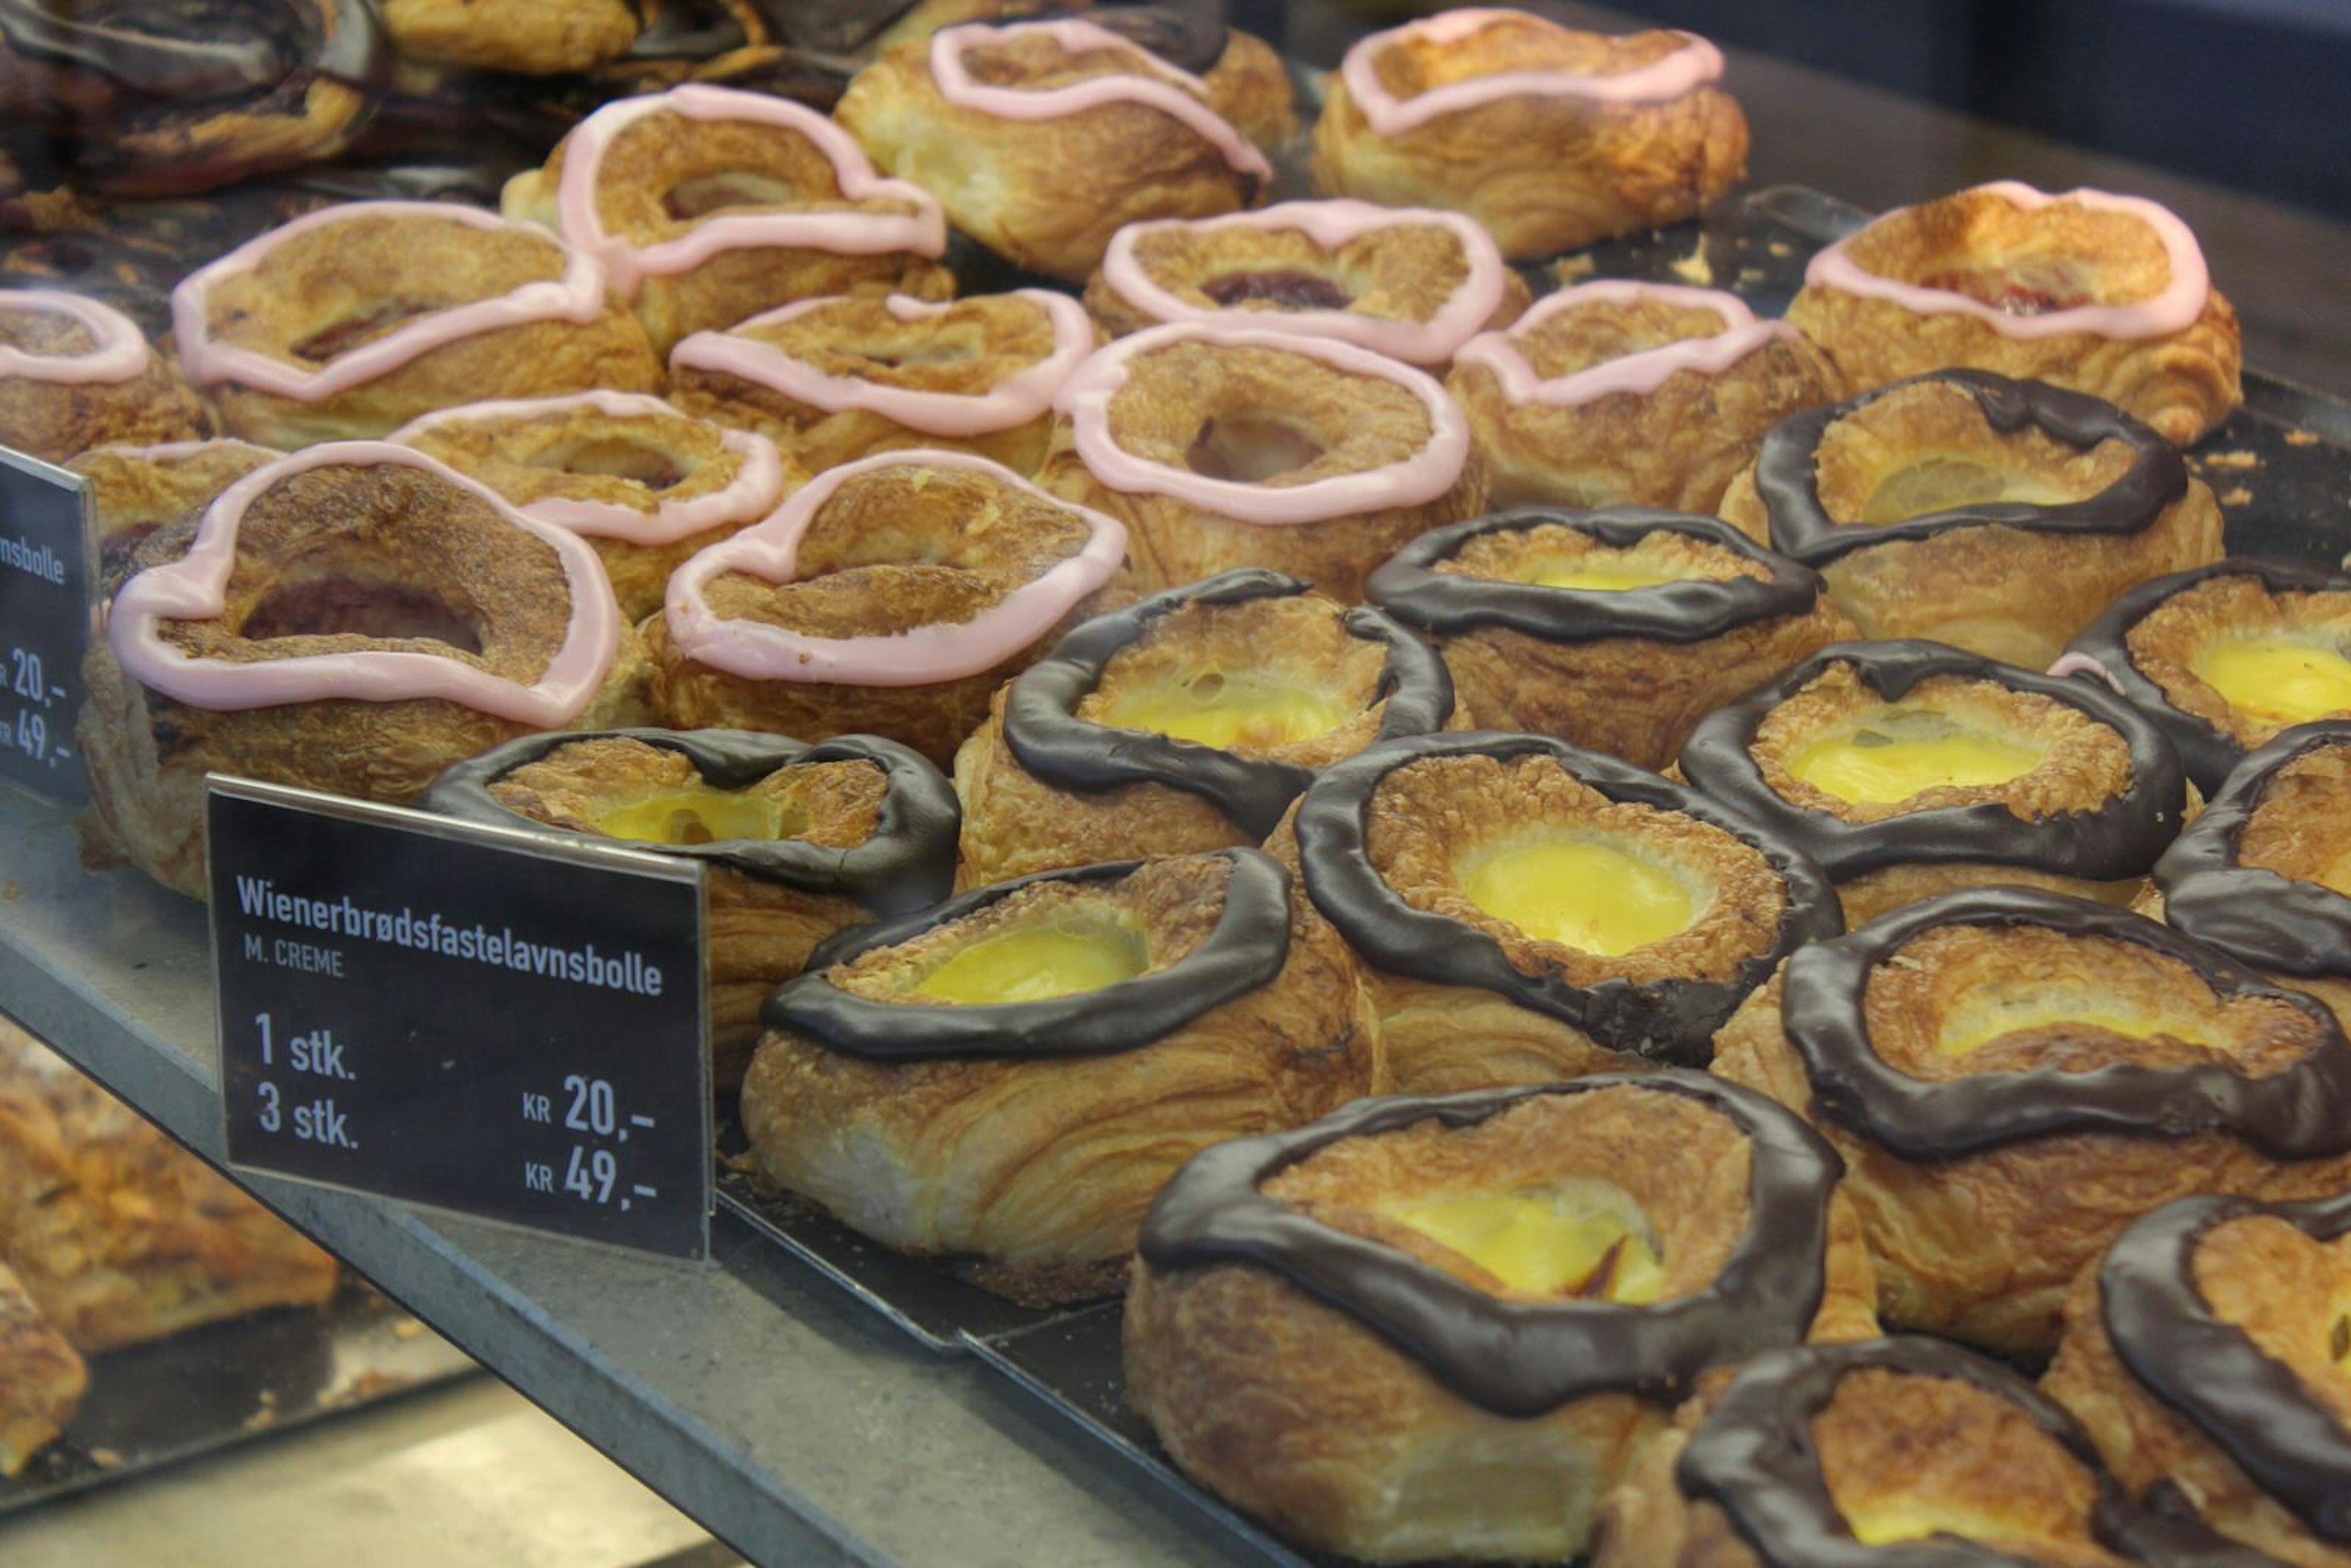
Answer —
(477, 1018)
(44, 619)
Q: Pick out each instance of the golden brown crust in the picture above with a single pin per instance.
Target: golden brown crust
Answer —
(1545, 174)
(2167, 642)
(134, 491)
(55, 421)
(41, 1379)
(531, 36)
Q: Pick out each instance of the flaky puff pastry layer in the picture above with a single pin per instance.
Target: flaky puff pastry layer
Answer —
(1046, 192)
(42, 1379)
(56, 420)
(1031, 1173)
(1544, 171)
(2017, 592)
(1301, 1414)
(1991, 247)
(521, 36)
(1981, 1244)
(134, 490)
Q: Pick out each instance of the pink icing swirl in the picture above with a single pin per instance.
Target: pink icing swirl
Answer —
(770, 549)
(195, 588)
(845, 232)
(118, 354)
(1695, 64)
(1638, 373)
(1178, 94)
(2070, 664)
(577, 296)
(1014, 401)
(758, 484)
(1331, 224)
(2174, 308)
(1427, 473)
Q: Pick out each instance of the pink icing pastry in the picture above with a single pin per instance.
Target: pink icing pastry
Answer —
(2083, 664)
(1638, 374)
(2177, 307)
(1427, 473)
(770, 549)
(1331, 224)
(578, 295)
(1175, 93)
(195, 588)
(117, 352)
(1695, 64)
(846, 231)
(1015, 400)
(758, 484)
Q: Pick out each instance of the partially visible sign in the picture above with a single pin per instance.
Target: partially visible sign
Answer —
(46, 594)
(485, 1020)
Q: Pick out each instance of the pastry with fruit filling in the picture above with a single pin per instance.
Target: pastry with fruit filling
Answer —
(2102, 294)
(1527, 911)
(1551, 137)
(2014, 1077)
(2225, 657)
(1908, 769)
(801, 842)
(76, 374)
(352, 321)
(2000, 517)
(2209, 1353)
(1007, 1079)
(708, 204)
(1189, 722)
(1043, 139)
(1221, 446)
(1443, 1327)
(1623, 392)
(1617, 631)
(1413, 284)
(832, 381)
(889, 597)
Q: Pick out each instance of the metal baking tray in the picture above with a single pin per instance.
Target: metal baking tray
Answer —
(229, 1383)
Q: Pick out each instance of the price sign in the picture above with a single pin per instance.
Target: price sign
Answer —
(469, 1017)
(44, 619)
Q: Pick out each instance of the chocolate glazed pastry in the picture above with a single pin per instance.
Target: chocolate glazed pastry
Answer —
(1614, 629)
(1321, 1331)
(197, 93)
(2225, 656)
(2207, 1349)
(1188, 722)
(2077, 790)
(801, 841)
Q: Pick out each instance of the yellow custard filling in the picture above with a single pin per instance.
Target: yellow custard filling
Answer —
(1575, 1238)
(1598, 579)
(1990, 1015)
(1228, 709)
(1940, 484)
(1035, 965)
(1581, 892)
(1901, 752)
(1917, 1519)
(2276, 680)
(697, 814)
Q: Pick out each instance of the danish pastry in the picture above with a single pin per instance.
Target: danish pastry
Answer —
(2225, 657)
(76, 374)
(1414, 285)
(832, 380)
(135, 491)
(1621, 392)
(529, 36)
(1222, 446)
(1529, 912)
(351, 619)
(890, 596)
(2000, 517)
(355, 319)
(708, 204)
(2012, 1077)
(2101, 293)
(1442, 1327)
(1010, 1077)
(1908, 769)
(647, 485)
(1043, 139)
(1551, 137)
(801, 842)
(1188, 722)
(1615, 631)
